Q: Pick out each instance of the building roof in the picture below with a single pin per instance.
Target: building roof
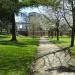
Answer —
(34, 14)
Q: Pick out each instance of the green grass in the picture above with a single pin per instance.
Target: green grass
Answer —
(16, 57)
(63, 42)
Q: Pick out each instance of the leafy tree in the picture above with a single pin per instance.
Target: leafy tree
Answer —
(72, 2)
(8, 8)
(72, 10)
(55, 5)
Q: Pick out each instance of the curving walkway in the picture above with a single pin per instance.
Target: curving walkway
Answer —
(52, 64)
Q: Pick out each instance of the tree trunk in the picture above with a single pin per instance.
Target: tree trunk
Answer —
(73, 28)
(57, 25)
(73, 32)
(49, 34)
(1, 28)
(52, 34)
(72, 38)
(13, 28)
(57, 33)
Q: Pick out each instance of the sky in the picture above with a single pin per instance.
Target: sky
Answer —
(27, 10)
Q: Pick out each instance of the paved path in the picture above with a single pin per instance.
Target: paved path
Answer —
(51, 64)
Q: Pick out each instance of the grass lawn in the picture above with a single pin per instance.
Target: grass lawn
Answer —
(16, 57)
(63, 42)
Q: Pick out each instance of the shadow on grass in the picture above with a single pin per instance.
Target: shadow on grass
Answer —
(61, 69)
(58, 42)
(16, 63)
(15, 66)
(20, 44)
(3, 36)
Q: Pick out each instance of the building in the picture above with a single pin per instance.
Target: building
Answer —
(36, 26)
(22, 24)
(31, 25)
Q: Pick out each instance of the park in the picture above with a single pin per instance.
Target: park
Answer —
(37, 37)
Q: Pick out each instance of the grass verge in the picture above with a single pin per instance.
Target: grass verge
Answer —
(63, 42)
(16, 57)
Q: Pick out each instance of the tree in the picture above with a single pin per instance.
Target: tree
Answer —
(8, 10)
(73, 27)
(57, 29)
(72, 10)
(55, 5)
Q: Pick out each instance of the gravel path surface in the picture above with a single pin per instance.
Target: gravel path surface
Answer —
(52, 64)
